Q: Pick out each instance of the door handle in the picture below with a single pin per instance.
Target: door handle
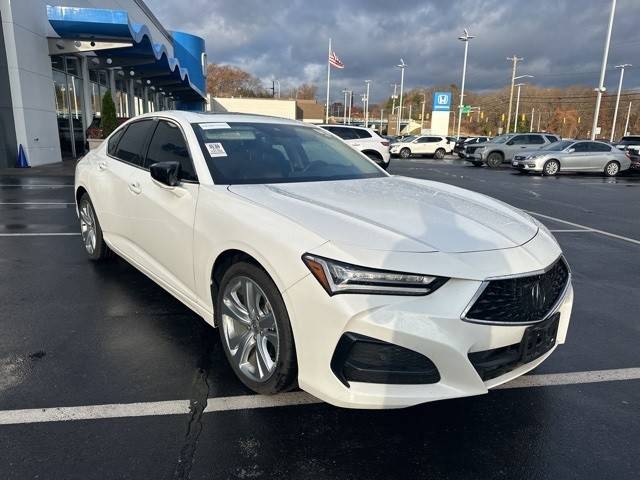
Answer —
(102, 165)
(135, 187)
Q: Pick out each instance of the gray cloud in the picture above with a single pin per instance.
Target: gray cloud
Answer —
(561, 40)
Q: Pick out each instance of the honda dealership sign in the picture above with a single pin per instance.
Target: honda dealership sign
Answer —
(441, 101)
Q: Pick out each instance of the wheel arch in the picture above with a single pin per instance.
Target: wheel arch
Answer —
(375, 153)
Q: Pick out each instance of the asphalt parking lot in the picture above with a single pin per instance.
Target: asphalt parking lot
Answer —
(82, 341)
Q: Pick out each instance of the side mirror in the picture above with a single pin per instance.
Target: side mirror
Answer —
(510, 142)
(166, 173)
(571, 150)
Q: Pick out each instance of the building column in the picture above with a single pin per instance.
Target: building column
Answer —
(131, 83)
(87, 116)
(111, 78)
(145, 99)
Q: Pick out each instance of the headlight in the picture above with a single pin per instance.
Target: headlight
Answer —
(338, 277)
(532, 156)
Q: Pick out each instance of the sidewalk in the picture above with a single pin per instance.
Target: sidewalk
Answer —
(59, 169)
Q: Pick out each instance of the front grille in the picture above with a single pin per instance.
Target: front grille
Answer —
(521, 300)
(471, 149)
(519, 157)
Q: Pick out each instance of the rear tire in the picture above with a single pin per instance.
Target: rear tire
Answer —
(440, 153)
(612, 169)
(91, 231)
(495, 159)
(256, 335)
(551, 168)
(405, 153)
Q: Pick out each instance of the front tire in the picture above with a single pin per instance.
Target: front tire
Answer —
(494, 160)
(612, 169)
(440, 153)
(551, 168)
(405, 153)
(255, 331)
(91, 231)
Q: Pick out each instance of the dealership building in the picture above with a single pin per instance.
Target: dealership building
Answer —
(58, 58)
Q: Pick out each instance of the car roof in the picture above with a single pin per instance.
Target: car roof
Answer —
(226, 117)
(344, 126)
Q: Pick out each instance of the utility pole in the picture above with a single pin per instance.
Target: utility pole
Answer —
(615, 113)
(381, 118)
(465, 37)
(401, 66)
(515, 61)
(393, 98)
(626, 125)
(605, 56)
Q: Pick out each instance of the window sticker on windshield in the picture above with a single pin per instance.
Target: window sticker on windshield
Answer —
(214, 126)
(216, 149)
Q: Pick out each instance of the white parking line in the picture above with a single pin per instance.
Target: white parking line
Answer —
(37, 203)
(36, 186)
(250, 402)
(584, 227)
(570, 230)
(26, 234)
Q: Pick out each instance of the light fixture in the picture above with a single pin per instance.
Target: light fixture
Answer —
(132, 73)
(109, 61)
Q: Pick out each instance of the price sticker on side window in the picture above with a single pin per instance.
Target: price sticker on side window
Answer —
(215, 149)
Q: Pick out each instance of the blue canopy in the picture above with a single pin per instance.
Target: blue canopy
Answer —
(181, 74)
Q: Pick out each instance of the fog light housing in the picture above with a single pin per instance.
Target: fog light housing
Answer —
(359, 358)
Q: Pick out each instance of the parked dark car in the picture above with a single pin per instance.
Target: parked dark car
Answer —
(465, 142)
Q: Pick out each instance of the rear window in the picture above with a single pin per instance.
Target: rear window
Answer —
(629, 140)
(361, 133)
(551, 138)
(113, 141)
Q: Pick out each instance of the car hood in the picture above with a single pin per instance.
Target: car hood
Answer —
(396, 214)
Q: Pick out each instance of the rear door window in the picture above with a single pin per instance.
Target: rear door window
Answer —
(535, 140)
(598, 147)
(168, 145)
(113, 141)
(133, 142)
(345, 133)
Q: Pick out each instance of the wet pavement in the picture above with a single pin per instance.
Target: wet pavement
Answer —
(78, 334)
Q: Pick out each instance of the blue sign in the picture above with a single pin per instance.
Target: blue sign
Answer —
(441, 101)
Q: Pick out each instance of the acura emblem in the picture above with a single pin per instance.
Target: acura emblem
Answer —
(537, 296)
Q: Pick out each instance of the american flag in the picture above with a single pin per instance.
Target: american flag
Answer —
(335, 61)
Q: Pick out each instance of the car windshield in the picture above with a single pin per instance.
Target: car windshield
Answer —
(557, 146)
(409, 139)
(501, 138)
(240, 153)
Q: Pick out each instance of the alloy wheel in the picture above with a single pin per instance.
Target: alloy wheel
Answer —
(250, 329)
(612, 169)
(88, 226)
(551, 168)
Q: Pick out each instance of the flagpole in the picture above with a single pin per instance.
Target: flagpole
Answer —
(326, 115)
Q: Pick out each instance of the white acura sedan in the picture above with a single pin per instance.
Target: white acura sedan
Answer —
(318, 268)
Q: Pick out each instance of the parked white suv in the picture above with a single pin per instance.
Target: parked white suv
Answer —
(434, 145)
(365, 140)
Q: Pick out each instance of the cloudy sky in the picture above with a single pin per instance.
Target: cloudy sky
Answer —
(561, 40)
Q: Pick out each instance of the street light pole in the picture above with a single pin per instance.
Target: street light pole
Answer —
(366, 107)
(424, 101)
(344, 112)
(401, 66)
(515, 61)
(381, 118)
(465, 37)
(601, 88)
(533, 112)
(626, 125)
(350, 103)
(615, 112)
(515, 123)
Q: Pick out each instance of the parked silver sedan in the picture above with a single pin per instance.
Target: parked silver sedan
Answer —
(573, 156)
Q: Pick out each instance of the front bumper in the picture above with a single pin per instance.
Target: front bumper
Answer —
(430, 325)
(528, 165)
